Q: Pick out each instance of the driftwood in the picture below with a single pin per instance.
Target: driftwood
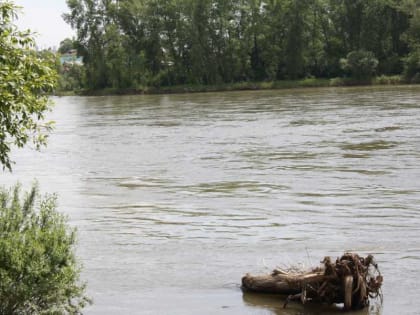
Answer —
(350, 280)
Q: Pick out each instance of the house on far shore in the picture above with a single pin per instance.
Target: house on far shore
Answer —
(71, 58)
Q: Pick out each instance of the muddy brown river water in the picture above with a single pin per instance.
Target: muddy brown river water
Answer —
(175, 197)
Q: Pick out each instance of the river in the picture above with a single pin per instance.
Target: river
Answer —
(176, 197)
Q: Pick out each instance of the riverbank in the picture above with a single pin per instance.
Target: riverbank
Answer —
(241, 86)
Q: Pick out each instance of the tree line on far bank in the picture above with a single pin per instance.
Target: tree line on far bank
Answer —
(138, 43)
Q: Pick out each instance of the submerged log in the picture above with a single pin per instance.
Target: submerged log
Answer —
(351, 280)
(280, 283)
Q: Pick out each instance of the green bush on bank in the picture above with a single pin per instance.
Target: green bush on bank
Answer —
(249, 86)
(412, 66)
(39, 273)
(360, 64)
(388, 80)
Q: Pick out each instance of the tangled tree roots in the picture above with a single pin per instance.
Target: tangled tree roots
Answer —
(350, 280)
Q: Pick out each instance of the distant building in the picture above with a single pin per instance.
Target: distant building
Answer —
(71, 58)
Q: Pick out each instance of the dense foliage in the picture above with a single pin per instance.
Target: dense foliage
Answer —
(25, 79)
(38, 270)
(130, 43)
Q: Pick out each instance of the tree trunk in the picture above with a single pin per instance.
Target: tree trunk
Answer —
(281, 283)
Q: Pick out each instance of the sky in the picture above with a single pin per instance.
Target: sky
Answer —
(44, 18)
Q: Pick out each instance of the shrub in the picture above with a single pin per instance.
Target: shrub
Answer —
(39, 273)
(72, 77)
(412, 66)
(360, 64)
(388, 79)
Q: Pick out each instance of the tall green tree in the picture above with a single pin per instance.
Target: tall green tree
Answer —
(412, 38)
(296, 38)
(89, 18)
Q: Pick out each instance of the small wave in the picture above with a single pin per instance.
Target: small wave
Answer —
(370, 146)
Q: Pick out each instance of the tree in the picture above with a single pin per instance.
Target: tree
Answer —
(66, 45)
(132, 43)
(89, 17)
(25, 81)
(295, 43)
(412, 37)
(39, 273)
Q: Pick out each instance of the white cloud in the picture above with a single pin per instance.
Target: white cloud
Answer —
(44, 18)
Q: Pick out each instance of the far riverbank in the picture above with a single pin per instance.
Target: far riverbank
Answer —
(242, 86)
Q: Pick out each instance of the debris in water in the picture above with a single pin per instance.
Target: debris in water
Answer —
(351, 280)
